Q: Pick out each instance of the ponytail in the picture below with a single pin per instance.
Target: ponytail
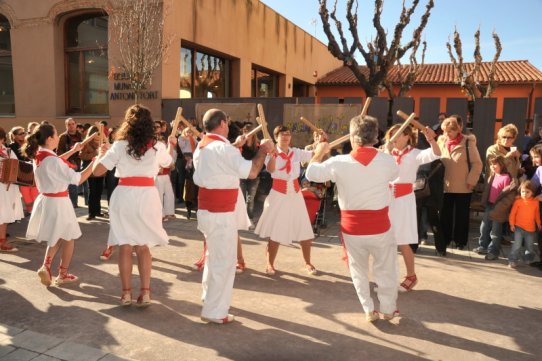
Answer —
(36, 139)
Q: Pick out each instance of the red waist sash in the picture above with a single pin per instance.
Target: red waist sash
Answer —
(365, 222)
(136, 181)
(281, 185)
(401, 189)
(217, 200)
(164, 171)
(56, 195)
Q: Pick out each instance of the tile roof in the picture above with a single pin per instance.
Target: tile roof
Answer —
(508, 72)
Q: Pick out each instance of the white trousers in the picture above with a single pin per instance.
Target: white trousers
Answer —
(220, 231)
(165, 190)
(384, 251)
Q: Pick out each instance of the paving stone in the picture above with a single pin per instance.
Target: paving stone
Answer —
(4, 350)
(45, 358)
(34, 341)
(75, 352)
(9, 330)
(111, 357)
(20, 355)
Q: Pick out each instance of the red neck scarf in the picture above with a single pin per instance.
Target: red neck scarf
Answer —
(208, 139)
(41, 155)
(288, 159)
(452, 143)
(364, 155)
(3, 154)
(399, 154)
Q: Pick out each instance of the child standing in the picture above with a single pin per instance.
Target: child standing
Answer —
(53, 219)
(536, 155)
(498, 184)
(524, 221)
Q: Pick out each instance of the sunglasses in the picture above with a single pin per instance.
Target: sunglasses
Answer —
(22, 133)
(507, 137)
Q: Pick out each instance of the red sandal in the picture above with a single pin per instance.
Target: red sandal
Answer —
(240, 267)
(408, 283)
(64, 277)
(45, 275)
(5, 247)
(106, 255)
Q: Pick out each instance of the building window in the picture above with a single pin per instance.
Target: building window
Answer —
(7, 95)
(203, 75)
(87, 86)
(264, 83)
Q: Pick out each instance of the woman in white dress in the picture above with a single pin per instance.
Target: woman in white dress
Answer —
(135, 211)
(285, 218)
(53, 219)
(11, 208)
(403, 208)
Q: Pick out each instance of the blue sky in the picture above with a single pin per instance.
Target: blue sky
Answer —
(517, 23)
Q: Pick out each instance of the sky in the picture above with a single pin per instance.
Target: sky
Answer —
(517, 22)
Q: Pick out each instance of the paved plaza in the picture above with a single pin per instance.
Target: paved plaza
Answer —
(463, 308)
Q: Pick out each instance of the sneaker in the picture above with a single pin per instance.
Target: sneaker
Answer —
(481, 250)
(491, 257)
(221, 321)
(372, 316)
(513, 265)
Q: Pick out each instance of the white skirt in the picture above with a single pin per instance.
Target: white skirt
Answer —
(403, 219)
(285, 218)
(243, 222)
(11, 206)
(135, 217)
(53, 218)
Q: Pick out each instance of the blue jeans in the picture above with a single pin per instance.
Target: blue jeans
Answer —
(490, 232)
(73, 192)
(521, 235)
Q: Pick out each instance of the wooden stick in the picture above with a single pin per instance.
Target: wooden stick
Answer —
(101, 132)
(196, 132)
(253, 131)
(310, 125)
(399, 131)
(261, 120)
(414, 122)
(176, 121)
(346, 137)
(90, 137)
(339, 141)
(366, 106)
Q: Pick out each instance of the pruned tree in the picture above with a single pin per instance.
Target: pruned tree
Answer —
(139, 33)
(468, 77)
(378, 55)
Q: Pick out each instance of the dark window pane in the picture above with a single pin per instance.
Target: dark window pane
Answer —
(86, 31)
(7, 97)
(74, 82)
(186, 73)
(264, 84)
(5, 41)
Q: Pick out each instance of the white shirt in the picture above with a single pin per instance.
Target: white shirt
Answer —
(360, 187)
(219, 165)
(53, 175)
(127, 166)
(298, 157)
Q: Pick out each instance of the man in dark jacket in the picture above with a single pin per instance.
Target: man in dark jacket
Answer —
(65, 142)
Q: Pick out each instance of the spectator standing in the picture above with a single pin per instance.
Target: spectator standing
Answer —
(67, 140)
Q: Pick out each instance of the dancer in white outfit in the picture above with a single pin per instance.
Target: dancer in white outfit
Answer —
(362, 178)
(135, 207)
(218, 167)
(53, 219)
(11, 208)
(403, 207)
(285, 218)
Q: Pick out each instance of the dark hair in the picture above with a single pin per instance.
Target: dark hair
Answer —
(279, 129)
(442, 113)
(87, 125)
(498, 159)
(2, 134)
(104, 123)
(37, 138)
(212, 119)
(527, 184)
(137, 129)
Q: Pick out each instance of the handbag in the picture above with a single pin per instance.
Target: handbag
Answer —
(421, 185)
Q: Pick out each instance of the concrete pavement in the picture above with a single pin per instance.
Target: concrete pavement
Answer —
(463, 308)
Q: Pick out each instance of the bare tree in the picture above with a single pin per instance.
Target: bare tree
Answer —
(138, 31)
(378, 55)
(468, 77)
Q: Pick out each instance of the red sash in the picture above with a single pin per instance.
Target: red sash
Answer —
(217, 200)
(208, 139)
(401, 189)
(364, 155)
(281, 185)
(136, 181)
(56, 195)
(365, 222)
(164, 171)
(41, 155)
